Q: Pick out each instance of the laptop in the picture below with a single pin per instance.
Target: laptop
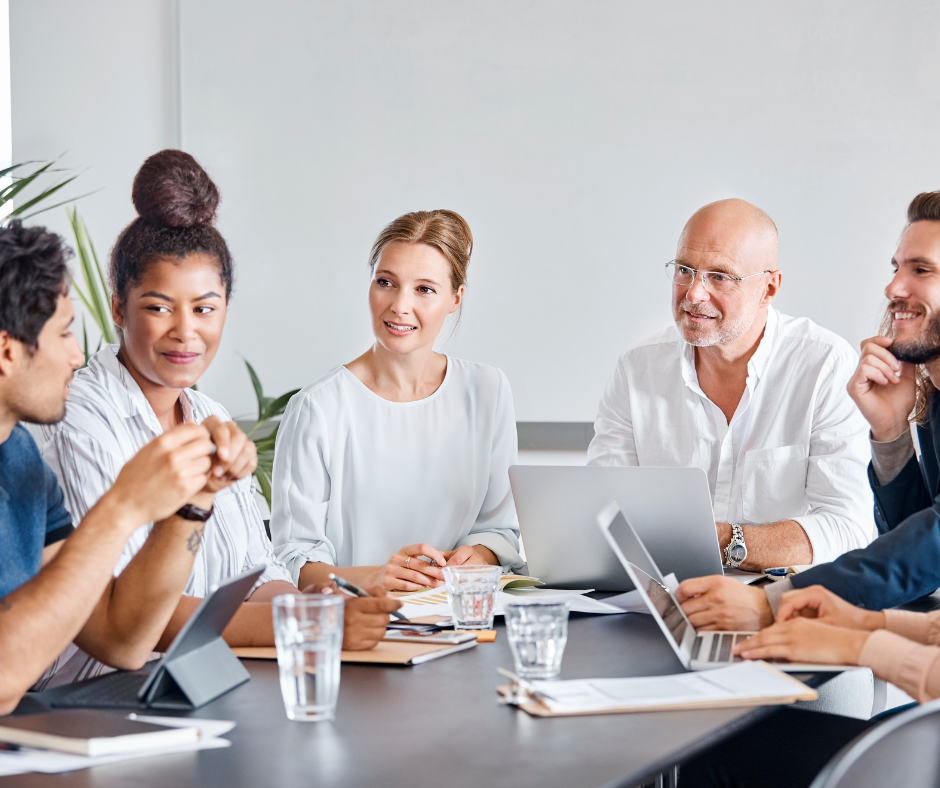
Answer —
(696, 650)
(558, 505)
(197, 667)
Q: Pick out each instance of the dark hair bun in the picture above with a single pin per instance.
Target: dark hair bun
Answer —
(173, 190)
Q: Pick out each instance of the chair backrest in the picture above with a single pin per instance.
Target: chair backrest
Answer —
(902, 750)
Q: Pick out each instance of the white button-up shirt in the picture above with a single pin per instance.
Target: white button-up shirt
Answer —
(796, 447)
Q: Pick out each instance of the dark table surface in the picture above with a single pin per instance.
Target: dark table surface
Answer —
(439, 724)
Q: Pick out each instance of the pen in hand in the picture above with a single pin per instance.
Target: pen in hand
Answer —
(351, 589)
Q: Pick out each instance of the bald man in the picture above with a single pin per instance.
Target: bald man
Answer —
(755, 398)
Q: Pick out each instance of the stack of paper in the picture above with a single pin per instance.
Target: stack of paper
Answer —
(742, 684)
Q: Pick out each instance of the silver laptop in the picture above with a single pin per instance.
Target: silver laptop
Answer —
(558, 506)
(696, 651)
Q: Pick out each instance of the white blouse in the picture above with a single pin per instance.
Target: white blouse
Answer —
(357, 477)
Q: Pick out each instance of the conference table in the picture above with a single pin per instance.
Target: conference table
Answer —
(439, 724)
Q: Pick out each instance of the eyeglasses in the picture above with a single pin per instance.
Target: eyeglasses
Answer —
(713, 281)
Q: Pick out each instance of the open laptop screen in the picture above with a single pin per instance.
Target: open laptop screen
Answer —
(664, 603)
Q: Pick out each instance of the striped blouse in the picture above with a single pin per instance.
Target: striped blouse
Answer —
(108, 420)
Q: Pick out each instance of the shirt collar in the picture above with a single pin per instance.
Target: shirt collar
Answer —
(755, 367)
(126, 395)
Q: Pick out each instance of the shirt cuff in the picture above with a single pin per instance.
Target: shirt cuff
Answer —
(508, 557)
(888, 458)
(776, 590)
(58, 534)
(902, 662)
(294, 556)
(908, 624)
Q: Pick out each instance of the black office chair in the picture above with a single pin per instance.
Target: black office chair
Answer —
(902, 750)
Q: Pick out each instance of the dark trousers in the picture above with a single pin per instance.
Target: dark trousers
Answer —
(787, 748)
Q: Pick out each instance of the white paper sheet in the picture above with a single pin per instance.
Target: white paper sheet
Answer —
(736, 682)
(433, 602)
(632, 602)
(49, 762)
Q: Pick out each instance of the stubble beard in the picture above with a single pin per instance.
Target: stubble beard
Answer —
(725, 329)
(920, 349)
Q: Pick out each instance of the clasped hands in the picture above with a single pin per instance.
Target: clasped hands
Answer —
(408, 571)
(814, 625)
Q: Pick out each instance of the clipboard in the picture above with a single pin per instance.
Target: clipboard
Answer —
(535, 707)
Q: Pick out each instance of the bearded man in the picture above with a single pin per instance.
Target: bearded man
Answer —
(753, 397)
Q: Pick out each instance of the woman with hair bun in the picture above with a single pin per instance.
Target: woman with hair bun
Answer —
(171, 276)
(403, 445)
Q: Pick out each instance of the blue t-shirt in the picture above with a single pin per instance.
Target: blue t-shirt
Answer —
(32, 510)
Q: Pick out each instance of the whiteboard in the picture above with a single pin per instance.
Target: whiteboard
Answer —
(575, 137)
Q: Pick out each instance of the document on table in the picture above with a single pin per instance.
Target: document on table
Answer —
(49, 762)
(433, 601)
(741, 684)
(632, 602)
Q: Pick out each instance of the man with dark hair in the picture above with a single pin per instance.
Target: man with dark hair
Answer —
(898, 374)
(56, 582)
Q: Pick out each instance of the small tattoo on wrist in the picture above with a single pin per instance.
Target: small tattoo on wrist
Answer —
(195, 539)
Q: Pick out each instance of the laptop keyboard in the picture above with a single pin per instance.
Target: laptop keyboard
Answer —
(117, 690)
(721, 646)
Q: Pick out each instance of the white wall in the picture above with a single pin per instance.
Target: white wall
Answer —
(92, 83)
(575, 137)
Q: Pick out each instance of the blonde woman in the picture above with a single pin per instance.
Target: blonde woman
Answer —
(403, 445)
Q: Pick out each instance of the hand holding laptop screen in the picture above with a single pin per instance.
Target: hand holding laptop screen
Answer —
(706, 649)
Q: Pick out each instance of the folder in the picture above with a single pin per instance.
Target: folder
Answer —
(742, 684)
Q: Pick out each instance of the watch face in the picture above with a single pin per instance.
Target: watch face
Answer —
(738, 552)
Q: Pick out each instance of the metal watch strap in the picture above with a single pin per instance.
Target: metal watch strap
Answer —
(190, 512)
(737, 538)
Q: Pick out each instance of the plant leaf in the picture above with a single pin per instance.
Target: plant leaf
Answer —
(256, 383)
(40, 197)
(277, 406)
(96, 298)
(58, 205)
(264, 482)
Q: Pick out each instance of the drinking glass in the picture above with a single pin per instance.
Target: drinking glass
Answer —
(308, 632)
(538, 632)
(472, 594)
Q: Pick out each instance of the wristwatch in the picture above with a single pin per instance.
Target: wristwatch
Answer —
(190, 512)
(736, 551)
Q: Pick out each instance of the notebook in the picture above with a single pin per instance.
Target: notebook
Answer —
(92, 733)
(385, 653)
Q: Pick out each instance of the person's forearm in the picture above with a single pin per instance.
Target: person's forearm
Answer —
(41, 617)
(251, 625)
(315, 572)
(267, 591)
(779, 544)
(488, 555)
(126, 626)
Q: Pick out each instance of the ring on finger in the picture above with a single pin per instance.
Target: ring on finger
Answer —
(407, 561)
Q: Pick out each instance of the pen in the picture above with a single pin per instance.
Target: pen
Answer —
(353, 590)
(777, 571)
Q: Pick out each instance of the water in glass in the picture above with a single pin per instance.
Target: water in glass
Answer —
(471, 591)
(309, 636)
(538, 632)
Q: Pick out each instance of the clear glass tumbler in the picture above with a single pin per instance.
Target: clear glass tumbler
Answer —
(471, 591)
(538, 632)
(308, 632)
